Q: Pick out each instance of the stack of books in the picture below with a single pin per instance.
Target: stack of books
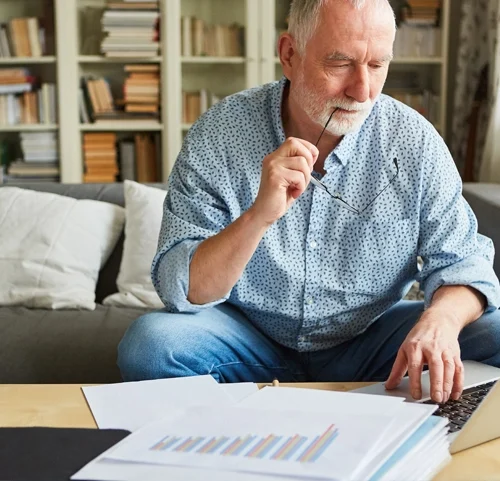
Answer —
(422, 12)
(140, 158)
(96, 101)
(100, 159)
(21, 104)
(22, 37)
(201, 39)
(142, 90)
(40, 159)
(197, 103)
(141, 102)
(420, 34)
(131, 29)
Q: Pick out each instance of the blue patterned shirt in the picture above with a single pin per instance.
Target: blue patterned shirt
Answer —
(322, 274)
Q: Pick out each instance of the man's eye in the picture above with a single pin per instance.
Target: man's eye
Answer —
(377, 66)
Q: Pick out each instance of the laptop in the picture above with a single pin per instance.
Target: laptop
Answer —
(473, 419)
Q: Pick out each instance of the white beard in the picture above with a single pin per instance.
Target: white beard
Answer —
(319, 111)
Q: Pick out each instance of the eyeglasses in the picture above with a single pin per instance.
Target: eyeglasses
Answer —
(337, 197)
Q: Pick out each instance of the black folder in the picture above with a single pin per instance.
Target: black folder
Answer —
(51, 454)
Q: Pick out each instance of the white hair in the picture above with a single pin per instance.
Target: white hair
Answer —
(304, 15)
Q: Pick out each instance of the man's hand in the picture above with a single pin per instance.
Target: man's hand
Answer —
(432, 341)
(285, 176)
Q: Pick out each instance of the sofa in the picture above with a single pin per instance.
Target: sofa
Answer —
(68, 346)
(79, 346)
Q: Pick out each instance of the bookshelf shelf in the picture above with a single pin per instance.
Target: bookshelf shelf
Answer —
(27, 60)
(237, 60)
(28, 127)
(119, 60)
(417, 60)
(122, 126)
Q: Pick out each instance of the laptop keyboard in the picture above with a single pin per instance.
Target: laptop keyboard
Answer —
(459, 412)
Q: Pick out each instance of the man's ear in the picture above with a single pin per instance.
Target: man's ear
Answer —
(287, 53)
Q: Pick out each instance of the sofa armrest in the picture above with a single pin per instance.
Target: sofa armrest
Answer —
(484, 200)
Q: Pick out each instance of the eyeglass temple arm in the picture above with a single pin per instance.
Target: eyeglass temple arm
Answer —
(395, 161)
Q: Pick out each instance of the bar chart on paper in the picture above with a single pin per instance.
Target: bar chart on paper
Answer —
(273, 447)
(255, 440)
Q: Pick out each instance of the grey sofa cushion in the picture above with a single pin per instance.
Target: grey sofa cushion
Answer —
(43, 346)
(112, 193)
(484, 200)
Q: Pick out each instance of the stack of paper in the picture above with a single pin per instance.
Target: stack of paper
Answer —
(198, 430)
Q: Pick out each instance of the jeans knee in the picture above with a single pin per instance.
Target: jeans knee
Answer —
(144, 348)
(482, 339)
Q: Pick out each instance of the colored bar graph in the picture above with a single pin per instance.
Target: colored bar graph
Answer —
(232, 447)
(323, 448)
(196, 442)
(165, 443)
(266, 449)
(183, 445)
(319, 444)
(220, 442)
(295, 448)
(243, 446)
(203, 449)
(254, 452)
(286, 447)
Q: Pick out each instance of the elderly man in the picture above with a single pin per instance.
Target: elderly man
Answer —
(286, 247)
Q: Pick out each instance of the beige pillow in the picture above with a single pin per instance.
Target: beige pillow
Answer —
(143, 216)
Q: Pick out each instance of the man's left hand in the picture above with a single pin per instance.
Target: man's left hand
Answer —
(432, 341)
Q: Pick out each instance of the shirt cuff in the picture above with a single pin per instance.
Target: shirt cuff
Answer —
(172, 279)
(465, 273)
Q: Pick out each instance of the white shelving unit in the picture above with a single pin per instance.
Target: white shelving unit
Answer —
(222, 75)
(27, 60)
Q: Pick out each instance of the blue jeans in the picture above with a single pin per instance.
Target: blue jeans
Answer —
(222, 342)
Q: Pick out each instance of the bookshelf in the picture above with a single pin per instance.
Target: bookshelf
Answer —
(73, 50)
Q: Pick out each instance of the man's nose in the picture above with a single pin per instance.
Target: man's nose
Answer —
(359, 85)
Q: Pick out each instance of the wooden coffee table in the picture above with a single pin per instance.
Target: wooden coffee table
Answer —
(63, 405)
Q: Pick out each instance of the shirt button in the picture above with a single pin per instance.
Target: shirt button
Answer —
(313, 244)
(302, 338)
(310, 300)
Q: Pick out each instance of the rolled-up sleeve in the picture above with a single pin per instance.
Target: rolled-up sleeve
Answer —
(193, 211)
(452, 251)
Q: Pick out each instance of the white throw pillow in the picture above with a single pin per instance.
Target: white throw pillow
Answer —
(52, 248)
(143, 216)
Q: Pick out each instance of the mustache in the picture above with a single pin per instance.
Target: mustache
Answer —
(350, 105)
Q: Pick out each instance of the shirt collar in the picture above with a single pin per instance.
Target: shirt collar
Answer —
(346, 147)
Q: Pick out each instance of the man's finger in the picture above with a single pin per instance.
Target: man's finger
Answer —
(436, 369)
(448, 374)
(415, 364)
(295, 147)
(458, 379)
(398, 371)
(296, 181)
(314, 150)
(297, 164)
